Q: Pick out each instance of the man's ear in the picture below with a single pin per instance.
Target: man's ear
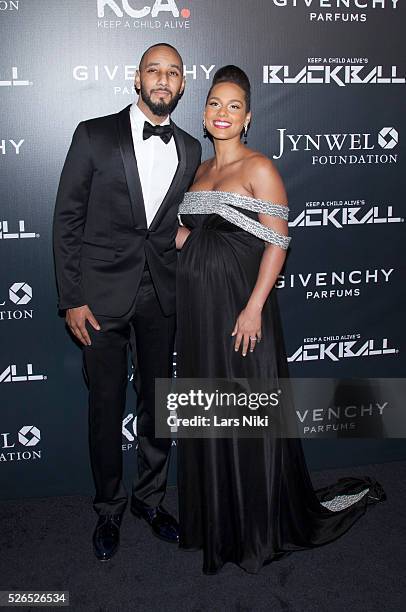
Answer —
(182, 87)
(137, 80)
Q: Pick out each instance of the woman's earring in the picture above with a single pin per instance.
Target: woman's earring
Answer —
(204, 129)
(245, 132)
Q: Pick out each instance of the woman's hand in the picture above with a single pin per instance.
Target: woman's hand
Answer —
(247, 329)
(181, 237)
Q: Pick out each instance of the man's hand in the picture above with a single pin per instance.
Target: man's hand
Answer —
(76, 321)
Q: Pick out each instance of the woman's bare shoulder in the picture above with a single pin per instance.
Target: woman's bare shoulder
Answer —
(264, 178)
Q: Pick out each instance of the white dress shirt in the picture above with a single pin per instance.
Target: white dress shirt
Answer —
(157, 162)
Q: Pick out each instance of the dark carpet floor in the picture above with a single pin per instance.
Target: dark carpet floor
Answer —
(46, 545)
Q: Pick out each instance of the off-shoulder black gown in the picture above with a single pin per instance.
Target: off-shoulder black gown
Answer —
(246, 501)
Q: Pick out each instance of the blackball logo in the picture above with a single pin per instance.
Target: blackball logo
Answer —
(127, 6)
(9, 375)
(335, 348)
(341, 75)
(346, 216)
(15, 81)
(6, 234)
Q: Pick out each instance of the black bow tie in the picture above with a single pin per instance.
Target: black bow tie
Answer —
(165, 132)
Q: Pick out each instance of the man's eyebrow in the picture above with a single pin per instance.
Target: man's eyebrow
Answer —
(158, 64)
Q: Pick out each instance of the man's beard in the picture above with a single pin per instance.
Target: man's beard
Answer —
(160, 109)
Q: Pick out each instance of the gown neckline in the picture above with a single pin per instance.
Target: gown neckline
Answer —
(234, 193)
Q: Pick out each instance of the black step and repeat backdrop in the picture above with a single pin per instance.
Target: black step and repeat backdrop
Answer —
(328, 80)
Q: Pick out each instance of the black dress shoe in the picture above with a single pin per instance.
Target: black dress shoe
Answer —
(163, 525)
(106, 537)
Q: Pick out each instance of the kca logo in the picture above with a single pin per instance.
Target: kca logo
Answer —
(130, 435)
(129, 432)
(158, 7)
(10, 375)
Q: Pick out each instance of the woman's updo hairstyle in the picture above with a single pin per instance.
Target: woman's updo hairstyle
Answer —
(233, 74)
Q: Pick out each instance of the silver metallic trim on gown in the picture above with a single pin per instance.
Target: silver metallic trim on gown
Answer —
(339, 502)
(222, 203)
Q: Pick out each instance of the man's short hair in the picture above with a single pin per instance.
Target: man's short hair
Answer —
(162, 44)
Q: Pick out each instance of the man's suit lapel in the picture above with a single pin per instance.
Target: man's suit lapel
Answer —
(181, 151)
(131, 168)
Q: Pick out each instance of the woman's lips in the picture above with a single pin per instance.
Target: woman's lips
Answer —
(222, 125)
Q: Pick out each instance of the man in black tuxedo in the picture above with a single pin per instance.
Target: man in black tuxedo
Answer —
(115, 227)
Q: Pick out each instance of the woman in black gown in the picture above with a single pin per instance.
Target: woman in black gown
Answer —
(246, 501)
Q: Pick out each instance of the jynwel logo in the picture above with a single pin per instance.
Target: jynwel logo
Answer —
(19, 294)
(330, 285)
(27, 436)
(9, 375)
(335, 348)
(6, 234)
(341, 75)
(344, 11)
(10, 146)
(15, 81)
(165, 14)
(9, 5)
(345, 146)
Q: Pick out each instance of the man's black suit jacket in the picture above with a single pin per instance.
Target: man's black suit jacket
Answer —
(101, 238)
